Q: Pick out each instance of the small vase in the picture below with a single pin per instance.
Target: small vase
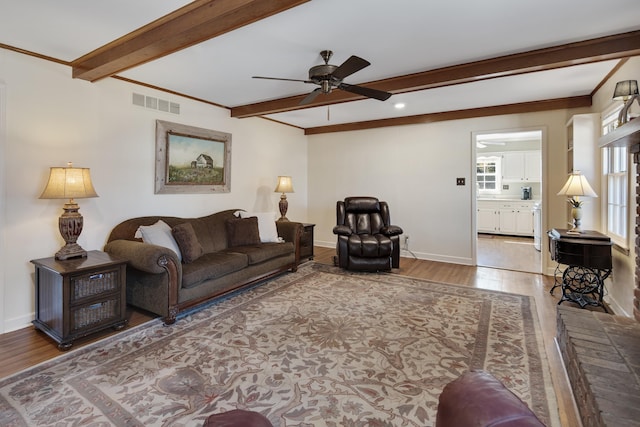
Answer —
(576, 214)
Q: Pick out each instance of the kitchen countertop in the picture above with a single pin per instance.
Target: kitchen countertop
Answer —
(505, 199)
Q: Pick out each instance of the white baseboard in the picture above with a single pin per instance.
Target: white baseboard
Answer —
(16, 323)
(615, 307)
(419, 255)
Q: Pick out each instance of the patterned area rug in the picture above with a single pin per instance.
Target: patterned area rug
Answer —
(320, 347)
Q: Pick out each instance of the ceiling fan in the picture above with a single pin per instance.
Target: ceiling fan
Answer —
(329, 76)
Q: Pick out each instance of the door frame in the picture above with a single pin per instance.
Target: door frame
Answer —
(544, 250)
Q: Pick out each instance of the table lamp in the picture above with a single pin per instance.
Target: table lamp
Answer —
(284, 186)
(627, 92)
(69, 183)
(575, 187)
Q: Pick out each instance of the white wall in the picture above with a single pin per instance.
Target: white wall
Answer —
(414, 168)
(52, 119)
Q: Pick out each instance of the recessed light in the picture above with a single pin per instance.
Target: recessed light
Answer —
(399, 105)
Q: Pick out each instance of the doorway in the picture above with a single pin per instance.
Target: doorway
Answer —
(508, 179)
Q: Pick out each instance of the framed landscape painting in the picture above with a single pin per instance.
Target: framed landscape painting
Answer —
(191, 159)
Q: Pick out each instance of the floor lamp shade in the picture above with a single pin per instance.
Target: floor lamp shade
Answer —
(285, 185)
(69, 183)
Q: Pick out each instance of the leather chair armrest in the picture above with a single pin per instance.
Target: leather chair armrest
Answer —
(391, 230)
(342, 230)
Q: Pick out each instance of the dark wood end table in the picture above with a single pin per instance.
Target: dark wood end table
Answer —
(79, 296)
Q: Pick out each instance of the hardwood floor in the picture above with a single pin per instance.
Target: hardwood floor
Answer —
(27, 347)
(509, 252)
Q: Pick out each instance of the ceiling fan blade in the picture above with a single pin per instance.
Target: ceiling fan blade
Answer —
(278, 78)
(365, 91)
(312, 95)
(350, 66)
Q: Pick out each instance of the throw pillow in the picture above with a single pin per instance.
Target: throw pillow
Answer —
(242, 232)
(266, 225)
(187, 241)
(159, 234)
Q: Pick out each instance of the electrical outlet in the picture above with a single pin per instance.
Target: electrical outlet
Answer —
(460, 181)
(406, 243)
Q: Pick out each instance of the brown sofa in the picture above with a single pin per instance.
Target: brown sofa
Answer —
(477, 398)
(217, 254)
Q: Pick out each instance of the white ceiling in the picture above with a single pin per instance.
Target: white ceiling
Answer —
(398, 38)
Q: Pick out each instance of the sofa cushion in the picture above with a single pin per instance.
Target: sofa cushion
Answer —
(211, 266)
(242, 232)
(266, 225)
(263, 251)
(159, 234)
(187, 241)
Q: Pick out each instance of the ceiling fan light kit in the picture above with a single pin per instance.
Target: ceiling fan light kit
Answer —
(330, 77)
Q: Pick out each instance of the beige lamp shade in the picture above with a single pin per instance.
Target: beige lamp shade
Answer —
(69, 183)
(284, 185)
(577, 185)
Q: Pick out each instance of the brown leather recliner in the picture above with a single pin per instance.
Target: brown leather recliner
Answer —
(477, 398)
(366, 239)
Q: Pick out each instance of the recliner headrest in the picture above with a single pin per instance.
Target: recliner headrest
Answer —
(361, 204)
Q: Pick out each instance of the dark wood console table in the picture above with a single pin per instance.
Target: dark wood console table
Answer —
(588, 257)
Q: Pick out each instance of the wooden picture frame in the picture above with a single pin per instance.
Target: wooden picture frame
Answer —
(191, 160)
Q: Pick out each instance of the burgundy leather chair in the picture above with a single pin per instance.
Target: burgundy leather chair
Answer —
(237, 418)
(366, 239)
(477, 398)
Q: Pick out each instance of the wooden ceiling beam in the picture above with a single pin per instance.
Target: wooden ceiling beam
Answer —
(497, 110)
(194, 23)
(584, 52)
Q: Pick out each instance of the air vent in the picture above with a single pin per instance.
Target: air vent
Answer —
(138, 99)
(155, 103)
(151, 102)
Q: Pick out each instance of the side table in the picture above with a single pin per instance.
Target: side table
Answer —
(589, 261)
(79, 296)
(306, 242)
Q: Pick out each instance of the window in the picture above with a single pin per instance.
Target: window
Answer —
(615, 162)
(488, 174)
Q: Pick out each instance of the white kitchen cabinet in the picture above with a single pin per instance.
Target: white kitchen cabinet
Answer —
(513, 166)
(507, 220)
(524, 221)
(533, 166)
(487, 218)
(522, 166)
(505, 217)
